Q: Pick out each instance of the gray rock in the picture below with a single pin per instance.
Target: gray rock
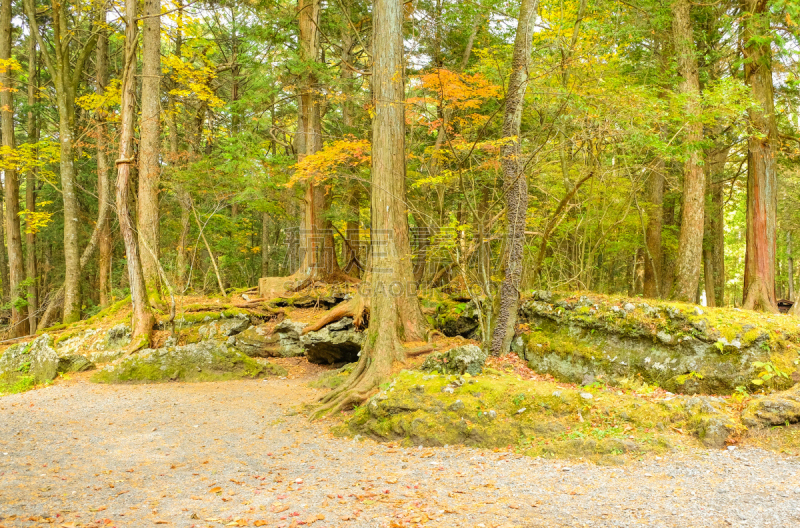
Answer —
(629, 307)
(74, 363)
(204, 361)
(714, 430)
(543, 296)
(586, 395)
(224, 327)
(37, 359)
(464, 359)
(779, 408)
(456, 405)
(698, 311)
(282, 341)
(339, 342)
(664, 337)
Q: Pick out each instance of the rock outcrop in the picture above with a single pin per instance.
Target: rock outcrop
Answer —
(338, 342)
(682, 348)
(204, 361)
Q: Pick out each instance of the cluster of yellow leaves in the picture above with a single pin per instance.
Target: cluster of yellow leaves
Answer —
(111, 97)
(346, 154)
(9, 65)
(28, 157)
(195, 79)
(37, 220)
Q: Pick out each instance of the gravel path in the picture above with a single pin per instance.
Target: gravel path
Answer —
(238, 454)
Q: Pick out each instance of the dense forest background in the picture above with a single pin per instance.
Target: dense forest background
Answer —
(656, 147)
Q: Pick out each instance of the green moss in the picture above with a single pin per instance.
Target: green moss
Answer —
(208, 363)
(21, 384)
(498, 410)
(334, 378)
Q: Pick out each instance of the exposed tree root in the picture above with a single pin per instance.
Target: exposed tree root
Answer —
(433, 333)
(355, 308)
(418, 351)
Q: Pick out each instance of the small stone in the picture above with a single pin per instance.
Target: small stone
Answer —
(448, 389)
(492, 414)
(629, 307)
(557, 394)
(586, 396)
(456, 405)
(522, 410)
(698, 310)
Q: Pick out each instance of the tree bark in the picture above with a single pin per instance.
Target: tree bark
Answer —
(103, 183)
(142, 315)
(690, 241)
(66, 71)
(515, 184)
(16, 261)
(309, 133)
(30, 186)
(150, 150)
(762, 178)
(790, 265)
(653, 257)
(265, 221)
(714, 235)
(395, 314)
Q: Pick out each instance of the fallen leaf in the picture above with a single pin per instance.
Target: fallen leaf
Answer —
(215, 489)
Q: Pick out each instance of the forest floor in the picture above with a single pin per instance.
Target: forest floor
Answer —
(241, 453)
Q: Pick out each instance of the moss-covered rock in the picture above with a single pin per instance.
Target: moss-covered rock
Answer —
(682, 348)
(204, 361)
(495, 410)
(36, 359)
(460, 360)
(780, 408)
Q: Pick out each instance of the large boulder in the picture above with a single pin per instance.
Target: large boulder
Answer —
(338, 342)
(467, 359)
(204, 361)
(263, 341)
(36, 359)
(682, 348)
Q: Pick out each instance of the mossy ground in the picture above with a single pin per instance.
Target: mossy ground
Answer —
(21, 384)
(537, 418)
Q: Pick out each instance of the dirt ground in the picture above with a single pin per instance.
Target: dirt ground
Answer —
(240, 454)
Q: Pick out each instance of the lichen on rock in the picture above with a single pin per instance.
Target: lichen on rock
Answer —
(204, 361)
(711, 351)
(464, 359)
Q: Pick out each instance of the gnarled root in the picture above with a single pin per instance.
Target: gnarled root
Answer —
(374, 367)
(355, 308)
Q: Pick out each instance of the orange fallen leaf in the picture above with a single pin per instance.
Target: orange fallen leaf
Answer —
(261, 523)
(215, 489)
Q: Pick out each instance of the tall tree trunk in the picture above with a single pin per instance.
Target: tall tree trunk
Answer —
(66, 72)
(395, 314)
(265, 221)
(309, 127)
(690, 241)
(653, 257)
(103, 183)
(30, 187)
(142, 315)
(714, 236)
(762, 178)
(150, 150)
(515, 184)
(16, 261)
(790, 265)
